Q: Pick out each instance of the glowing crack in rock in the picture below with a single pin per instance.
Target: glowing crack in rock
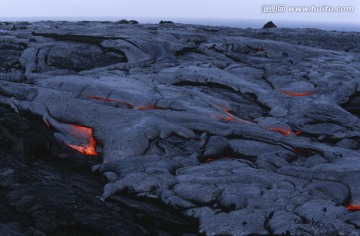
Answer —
(85, 135)
(224, 118)
(151, 107)
(210, 159)
(297, 132)
(259, 50)
(229, 117)
(282, 131)
(128, 105)
(285, 132)
(297, 94)
(79, 138)
(353, 207)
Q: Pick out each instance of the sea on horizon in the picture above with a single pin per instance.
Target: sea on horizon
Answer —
(237, 23)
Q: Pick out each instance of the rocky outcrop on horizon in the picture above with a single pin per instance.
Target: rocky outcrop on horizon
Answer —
(269, 25)
(248, 131)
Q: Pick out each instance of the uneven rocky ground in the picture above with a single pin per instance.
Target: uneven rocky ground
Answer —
(48, 189)
(247, 131)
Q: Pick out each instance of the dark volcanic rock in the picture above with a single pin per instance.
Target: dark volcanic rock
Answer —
(77, 57)
(269, 25)
(132, 22)
(48, 189)
(246, 131)
(123, 21)
(163, 22)
(216, 147)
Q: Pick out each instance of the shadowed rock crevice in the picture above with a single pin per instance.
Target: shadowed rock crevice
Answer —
(353, 105)
(75, 38)
(11, 50)
(79, 52)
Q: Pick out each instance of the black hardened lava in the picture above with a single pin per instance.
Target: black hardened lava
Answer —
(48, 189)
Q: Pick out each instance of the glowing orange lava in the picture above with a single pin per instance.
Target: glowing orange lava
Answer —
(103, 99)
(210, 159)
(295, 94)
(85, 134)
(129, 105)
(282, 131)
(228, 116)
(144, 108)
(353, 207)
(223, 117)
(285, 132)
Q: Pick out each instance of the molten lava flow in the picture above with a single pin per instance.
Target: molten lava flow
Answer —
(282, 131)
(210, 159)
(255, 49)
(151, 107)
(295, 94)
(353, 207)
(101, 98)
(285, 132)
(47, 123)
(222, 117)
(79, 138)
(129, 105)
(85, 134)
(228, 116)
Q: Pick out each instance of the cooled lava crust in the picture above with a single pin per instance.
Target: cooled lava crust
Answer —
(248, 131)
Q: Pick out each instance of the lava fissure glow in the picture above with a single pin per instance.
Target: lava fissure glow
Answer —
(86, 134)
(79, 138)
(259, 50)
(210, 159)
(353, 207)
(229, 117)
(129, 105)
(282, 131)
(296, 94)
(151, 107)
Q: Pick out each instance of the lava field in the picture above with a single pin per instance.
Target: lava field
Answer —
(242, 131)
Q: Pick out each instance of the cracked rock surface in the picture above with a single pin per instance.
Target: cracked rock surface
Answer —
(47, 189)
(248, 131)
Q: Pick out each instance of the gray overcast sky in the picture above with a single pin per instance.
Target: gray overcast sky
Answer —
(236, 9)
